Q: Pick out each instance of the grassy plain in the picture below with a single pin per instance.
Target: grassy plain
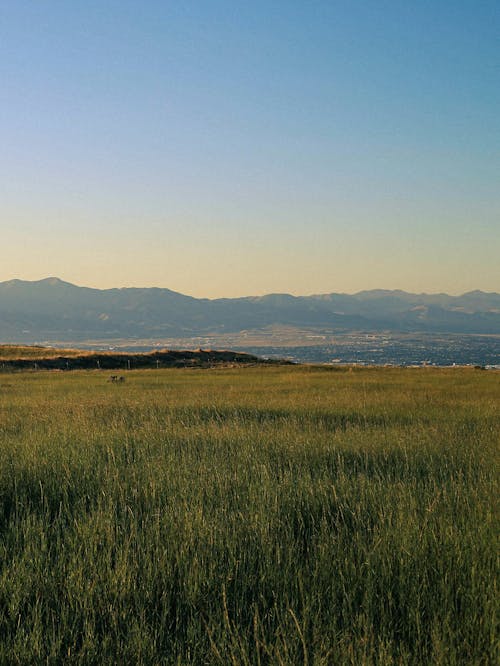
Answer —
(267, 515)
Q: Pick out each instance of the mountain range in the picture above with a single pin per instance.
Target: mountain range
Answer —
(51, 309)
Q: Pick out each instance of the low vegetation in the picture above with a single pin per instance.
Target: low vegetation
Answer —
(262, 515)
(51, 358)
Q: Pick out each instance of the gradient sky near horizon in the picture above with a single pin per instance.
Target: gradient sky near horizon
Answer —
(227, 148)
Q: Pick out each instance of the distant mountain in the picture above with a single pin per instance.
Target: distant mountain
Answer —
(52, 309)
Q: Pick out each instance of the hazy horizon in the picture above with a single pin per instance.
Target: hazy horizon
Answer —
(227, 148)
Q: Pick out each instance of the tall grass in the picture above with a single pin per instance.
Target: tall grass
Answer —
(256, 516)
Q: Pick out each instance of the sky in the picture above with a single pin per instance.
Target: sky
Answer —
(227, 148)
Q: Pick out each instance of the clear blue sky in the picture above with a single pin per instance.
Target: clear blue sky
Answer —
(232, 148)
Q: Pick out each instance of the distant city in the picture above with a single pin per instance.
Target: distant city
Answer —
(357, 348)
(375, 349)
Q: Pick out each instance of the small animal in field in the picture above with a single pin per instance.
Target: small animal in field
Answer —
(116, 378)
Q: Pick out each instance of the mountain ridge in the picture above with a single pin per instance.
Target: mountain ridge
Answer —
(52, 308)
(56, 281)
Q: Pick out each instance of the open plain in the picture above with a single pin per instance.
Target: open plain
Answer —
(260, 515)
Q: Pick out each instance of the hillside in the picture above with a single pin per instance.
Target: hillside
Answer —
(42, 358)
(51, 309)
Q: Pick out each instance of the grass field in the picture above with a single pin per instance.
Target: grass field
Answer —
(32, 352)
(268, 515)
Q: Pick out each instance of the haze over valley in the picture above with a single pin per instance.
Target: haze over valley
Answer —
(374, 326)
